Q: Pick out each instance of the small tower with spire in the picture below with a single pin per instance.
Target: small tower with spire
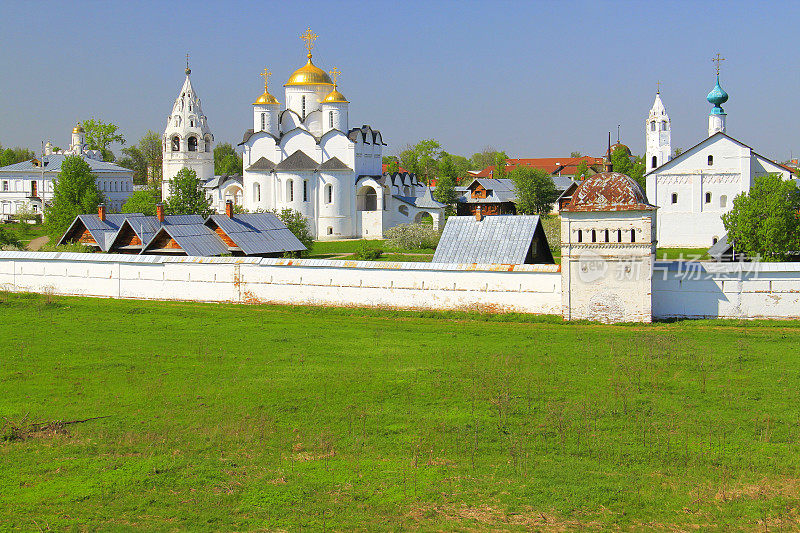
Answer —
(717, 97)
(658, 141)
(187, 140)
(334, 107)
(266, 109)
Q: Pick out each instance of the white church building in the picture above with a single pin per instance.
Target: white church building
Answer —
(694, 189)
(304, 156)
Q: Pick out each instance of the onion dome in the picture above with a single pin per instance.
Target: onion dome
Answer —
(717, 97)
(335, 97)
(609, 191)
(266, 98)
(309, 74)
(78, 128)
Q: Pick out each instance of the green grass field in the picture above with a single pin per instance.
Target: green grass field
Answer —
(233, 417)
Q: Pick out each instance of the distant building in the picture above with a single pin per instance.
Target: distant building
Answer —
(554, 166)
(694, 189)
(510, 239)
(498, 196)
(29, 184)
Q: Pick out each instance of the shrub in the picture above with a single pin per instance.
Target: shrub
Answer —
(412, 236)
(72, 247)
(9, 239)
(368, 253)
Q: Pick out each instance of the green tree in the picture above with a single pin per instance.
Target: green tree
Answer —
(447, 167)
(500, 159)
(624, 164)
(575, 154)
(422, 159)
(536, 191)
(143, 201)
(678, 151)
(134, 159)
(227, 161)
(297, 224)
(186, 195)
(8, 239)
(392, 164)
(582, 170)
(75, 193)
(484, 158)
(445, 191)
(764, 222)
(9, 156)
(99, 135)
(150, 147)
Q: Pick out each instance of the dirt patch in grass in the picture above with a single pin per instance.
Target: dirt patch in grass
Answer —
(493, 517)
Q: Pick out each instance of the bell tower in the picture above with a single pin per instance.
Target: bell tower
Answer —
(187, 140)
(658, 133)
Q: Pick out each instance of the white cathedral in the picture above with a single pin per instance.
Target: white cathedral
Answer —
(302, 156)
(694, 189)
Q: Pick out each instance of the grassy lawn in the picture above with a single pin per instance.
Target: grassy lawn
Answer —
(226, 417)
(26, 232)
(693, 254)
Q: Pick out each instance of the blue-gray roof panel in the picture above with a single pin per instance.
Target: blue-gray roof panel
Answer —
(502, 239)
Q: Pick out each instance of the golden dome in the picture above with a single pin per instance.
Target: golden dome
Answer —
(335, 97)
(309, 74)
(266, 98)
(78, 128)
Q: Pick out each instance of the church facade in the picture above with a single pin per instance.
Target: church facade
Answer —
(302, 155)
(694, 189)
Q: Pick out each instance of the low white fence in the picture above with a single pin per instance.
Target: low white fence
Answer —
(491, 288)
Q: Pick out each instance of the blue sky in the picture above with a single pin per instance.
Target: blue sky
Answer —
(538, 79)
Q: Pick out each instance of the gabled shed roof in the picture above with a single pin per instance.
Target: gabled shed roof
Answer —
(257, 233)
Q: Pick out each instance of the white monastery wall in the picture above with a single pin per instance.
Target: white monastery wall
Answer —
(726, 290)
(493, 288)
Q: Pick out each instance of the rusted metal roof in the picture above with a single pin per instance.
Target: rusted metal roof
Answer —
(609, 191)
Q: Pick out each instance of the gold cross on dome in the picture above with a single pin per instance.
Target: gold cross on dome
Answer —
(266, 74)
(309, 37)
(718, 60)
(187, 59)
(335, 73)
(658, 83)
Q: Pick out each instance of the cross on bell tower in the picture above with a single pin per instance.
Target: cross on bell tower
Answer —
(718, 59)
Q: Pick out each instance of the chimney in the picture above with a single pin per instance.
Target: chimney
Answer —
(101, 212)
(160, 212)
(478, 214)
(229, 208)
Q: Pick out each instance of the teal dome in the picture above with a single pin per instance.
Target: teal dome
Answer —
(717, 96)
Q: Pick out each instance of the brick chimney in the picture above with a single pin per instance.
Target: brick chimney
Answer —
(229, 208)
(160, 212)
(478, 214)
(101, 212)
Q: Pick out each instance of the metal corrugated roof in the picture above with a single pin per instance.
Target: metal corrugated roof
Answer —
(102, 232)
(53, 164)
(194, 239)
(146, 227)
(495, 239)
(258, 233)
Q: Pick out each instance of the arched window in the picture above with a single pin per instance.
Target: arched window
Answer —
(580, 235)
(674, 198)
(208, 143)
(723, 201)
(192, 143)
(191, 123)
(710, 160)
(653, 126)
(328, 193)
(594, 236)
(263, 121)
(633, 235)
(330, 230)
(607, 239)
(290, 190)
(403, 210)
(330, 119)
(654, 162)
(714, 240)
(256, 192)
(303, 100)
(663, 125)
(619, 235)
(708, 197)
(176, 143)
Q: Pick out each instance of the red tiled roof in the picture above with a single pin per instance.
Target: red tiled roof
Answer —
(552, 165)
(385, 167)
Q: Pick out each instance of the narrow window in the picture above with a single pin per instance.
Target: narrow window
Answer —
(305, 190)
(723, 201)
(580, 235)
(663, 125)
(633, 235)
(607, 236)
(191, 123)
(192, 144)
(328, 194)
(176, 143)
(330, 230)
(263, 121)
(710, 160)
(708, 197)
(714, 240)
(290, 191)
(619, 235)
(208, 144)
(5, 185)
(594, 236)
(304, 107)
(330, 119)
(674, 198)
(654, 162)
(256, 192)
(653, 126)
